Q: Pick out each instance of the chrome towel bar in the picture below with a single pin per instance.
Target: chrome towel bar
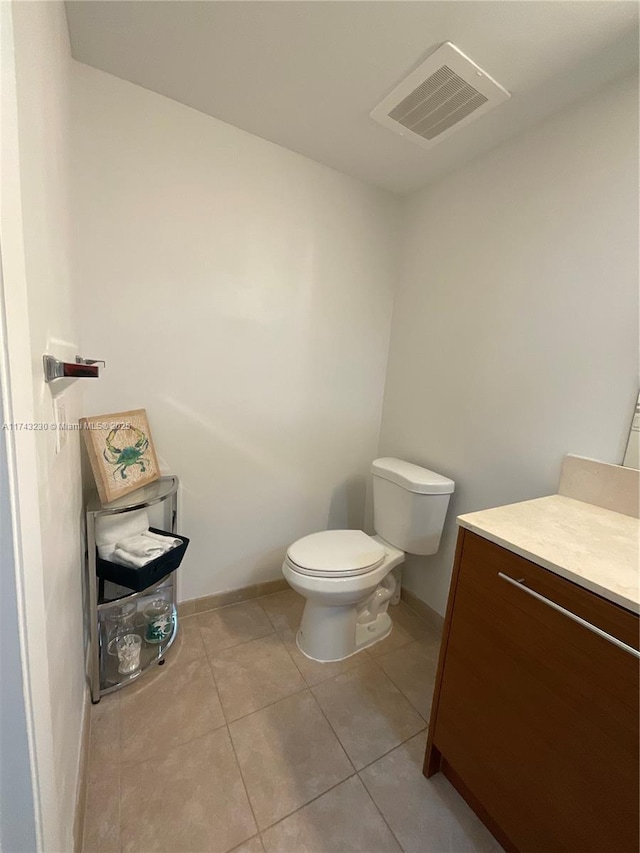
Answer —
(520, 583)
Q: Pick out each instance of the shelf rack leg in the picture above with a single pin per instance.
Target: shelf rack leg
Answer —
(92, 582)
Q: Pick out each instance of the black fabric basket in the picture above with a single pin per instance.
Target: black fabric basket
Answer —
(138, 579)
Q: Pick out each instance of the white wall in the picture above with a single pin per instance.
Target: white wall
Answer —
(17, 809)
(42, 64)
(515, 328)
(242, 294)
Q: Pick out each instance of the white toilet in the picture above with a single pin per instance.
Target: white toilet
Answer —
(345, 575)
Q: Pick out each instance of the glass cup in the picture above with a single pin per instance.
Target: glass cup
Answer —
(120, 622)
(158, 621)
(128, 648)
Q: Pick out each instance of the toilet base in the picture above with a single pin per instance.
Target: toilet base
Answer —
(373, 632)
(346, 638)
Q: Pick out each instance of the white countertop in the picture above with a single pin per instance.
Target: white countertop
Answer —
(594, 547)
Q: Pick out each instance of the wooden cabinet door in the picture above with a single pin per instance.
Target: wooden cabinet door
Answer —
(536, 715)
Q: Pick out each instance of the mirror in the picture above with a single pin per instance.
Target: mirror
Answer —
(632, 453)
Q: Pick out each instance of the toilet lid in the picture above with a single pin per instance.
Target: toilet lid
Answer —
(336, 552)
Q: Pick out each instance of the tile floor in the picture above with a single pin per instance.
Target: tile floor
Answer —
(241, 743)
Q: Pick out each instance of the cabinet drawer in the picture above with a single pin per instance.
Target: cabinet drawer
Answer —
(537, 715)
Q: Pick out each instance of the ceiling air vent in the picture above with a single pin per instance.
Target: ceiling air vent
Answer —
(443, 94)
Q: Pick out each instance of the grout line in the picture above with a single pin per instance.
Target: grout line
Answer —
(292, 657)
(269, 705)
(332, 678)
(397, 746)
(372, 798)
(244, 784)
(271, 621)
(308, 803)
(397, 686)
(237, 645)
(176, 746)
(209, 731)
(215, 684)
(366, 659)
(351, 776)
(334, 731)
(390, 651)
(378, 809)
(361, 662)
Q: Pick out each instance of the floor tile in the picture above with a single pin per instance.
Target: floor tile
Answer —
(288, 755)
(229, 626)
(284, 609)
(253, 675)
(179, 704)
(343, 819)
(101, 832)
(367, 712)
(426, 815)
(413, 670)
(313, 671)
(104, 736)
(186, 647)
(407, 627)
(190, 798)
(188, 644)
(412, 622)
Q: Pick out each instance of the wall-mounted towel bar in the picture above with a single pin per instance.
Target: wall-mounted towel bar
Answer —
(82, 367)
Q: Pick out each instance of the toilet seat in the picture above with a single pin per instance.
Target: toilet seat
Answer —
(336, 553)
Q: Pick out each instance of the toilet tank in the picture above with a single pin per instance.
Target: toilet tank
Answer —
(409, 505)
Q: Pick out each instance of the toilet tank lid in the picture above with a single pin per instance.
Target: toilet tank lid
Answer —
(412, 477)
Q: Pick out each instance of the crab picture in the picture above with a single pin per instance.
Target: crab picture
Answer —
(129, 456)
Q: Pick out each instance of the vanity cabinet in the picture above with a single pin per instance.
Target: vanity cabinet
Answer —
(535, 715)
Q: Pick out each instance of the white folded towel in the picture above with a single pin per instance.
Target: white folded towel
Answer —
(162, 538)
(106, 551)
(114, 528)
(141, 546)
(123, 558)
(137, 551)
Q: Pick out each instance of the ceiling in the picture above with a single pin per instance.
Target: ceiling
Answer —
(306, 75)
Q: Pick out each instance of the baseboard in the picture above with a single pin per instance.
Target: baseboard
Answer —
(432, 617)
(81, 791)
(231, 596)
(257, 590)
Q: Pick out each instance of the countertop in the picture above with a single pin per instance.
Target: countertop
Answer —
(594, 547)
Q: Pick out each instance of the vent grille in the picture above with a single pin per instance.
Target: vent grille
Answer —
(445, 91)
(441, 101)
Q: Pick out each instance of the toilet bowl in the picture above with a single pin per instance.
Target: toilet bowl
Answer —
(346, 575)
(339, 572)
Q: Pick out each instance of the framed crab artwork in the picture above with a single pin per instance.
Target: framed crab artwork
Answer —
(121, 452)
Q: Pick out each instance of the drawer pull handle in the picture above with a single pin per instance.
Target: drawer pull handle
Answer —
(520, 583)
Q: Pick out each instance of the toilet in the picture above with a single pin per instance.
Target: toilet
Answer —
(346, 575)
